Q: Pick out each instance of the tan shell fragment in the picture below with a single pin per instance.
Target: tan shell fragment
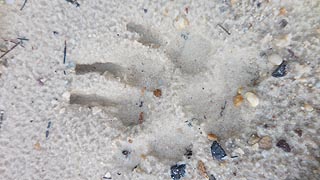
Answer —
(202, 169)
(237, 100)
(212, 137)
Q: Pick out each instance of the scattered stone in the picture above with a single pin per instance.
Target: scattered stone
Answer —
(275, 59)
(181, 22)
(284, 145)
(37, 146)
(280, 71)
(238, 151)
(283, 23)
(217, 151)
(178, 171)
(254, 139)
(282, 11)
(252, 99)
(107, 176)
(237, 100)
(307, 107)
(157, 93)
(265, 143)
(212, 177)
(202, 169)
(212, 137)
(298, 131)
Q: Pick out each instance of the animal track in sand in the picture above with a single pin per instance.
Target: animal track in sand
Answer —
(196, 83)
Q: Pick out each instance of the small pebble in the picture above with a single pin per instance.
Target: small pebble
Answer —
(237, 100)
(283, 23)
(254, 139)
(107, 176)
(308, 107)
(157, 92)
(298, 131)
(178, 171)
(275, 59)
(217, 151)
(37, 146)
(212, 137)
(265, 142)
(252, 99)
(281, 70)
(282, 11)
(284, 145)
(212, 177)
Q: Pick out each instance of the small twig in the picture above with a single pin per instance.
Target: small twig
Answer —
(1, 117)
(47, 131)
(25, 1)
(10, 49)
(223, 108)
(65, 52)
(224, 29)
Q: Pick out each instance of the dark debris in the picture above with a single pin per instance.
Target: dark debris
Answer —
(178, 171)
(74, 2)
(24, 4)
(283, 23)
(298, 131)
(281, 70)
(217, 151)
(211, 177)
(284, 145)
(188, 153)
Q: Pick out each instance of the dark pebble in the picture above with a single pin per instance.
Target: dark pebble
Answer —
(178, 171)
(281, 70)
(212, 177)
(188, 153)
(283, 23)
(126, 153)
(298, 131)
(217, 151)
(284, 145)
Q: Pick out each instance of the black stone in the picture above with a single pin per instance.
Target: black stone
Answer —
(178, 171)
(281, 70)
(217, 151)
(283, 23)
(212, 177)
(283, 145)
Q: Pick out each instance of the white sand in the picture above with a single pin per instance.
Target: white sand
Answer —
(158, 45)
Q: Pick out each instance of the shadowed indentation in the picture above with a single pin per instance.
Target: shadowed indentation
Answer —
(130, 112)
(147, 36)
(133, 75)
(90, 100)
(99, 68)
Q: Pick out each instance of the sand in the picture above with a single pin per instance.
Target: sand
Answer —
(143, 83)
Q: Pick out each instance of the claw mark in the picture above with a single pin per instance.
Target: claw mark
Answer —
(99, 68)
(128, 75)
(90, 100)
(147, 36)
